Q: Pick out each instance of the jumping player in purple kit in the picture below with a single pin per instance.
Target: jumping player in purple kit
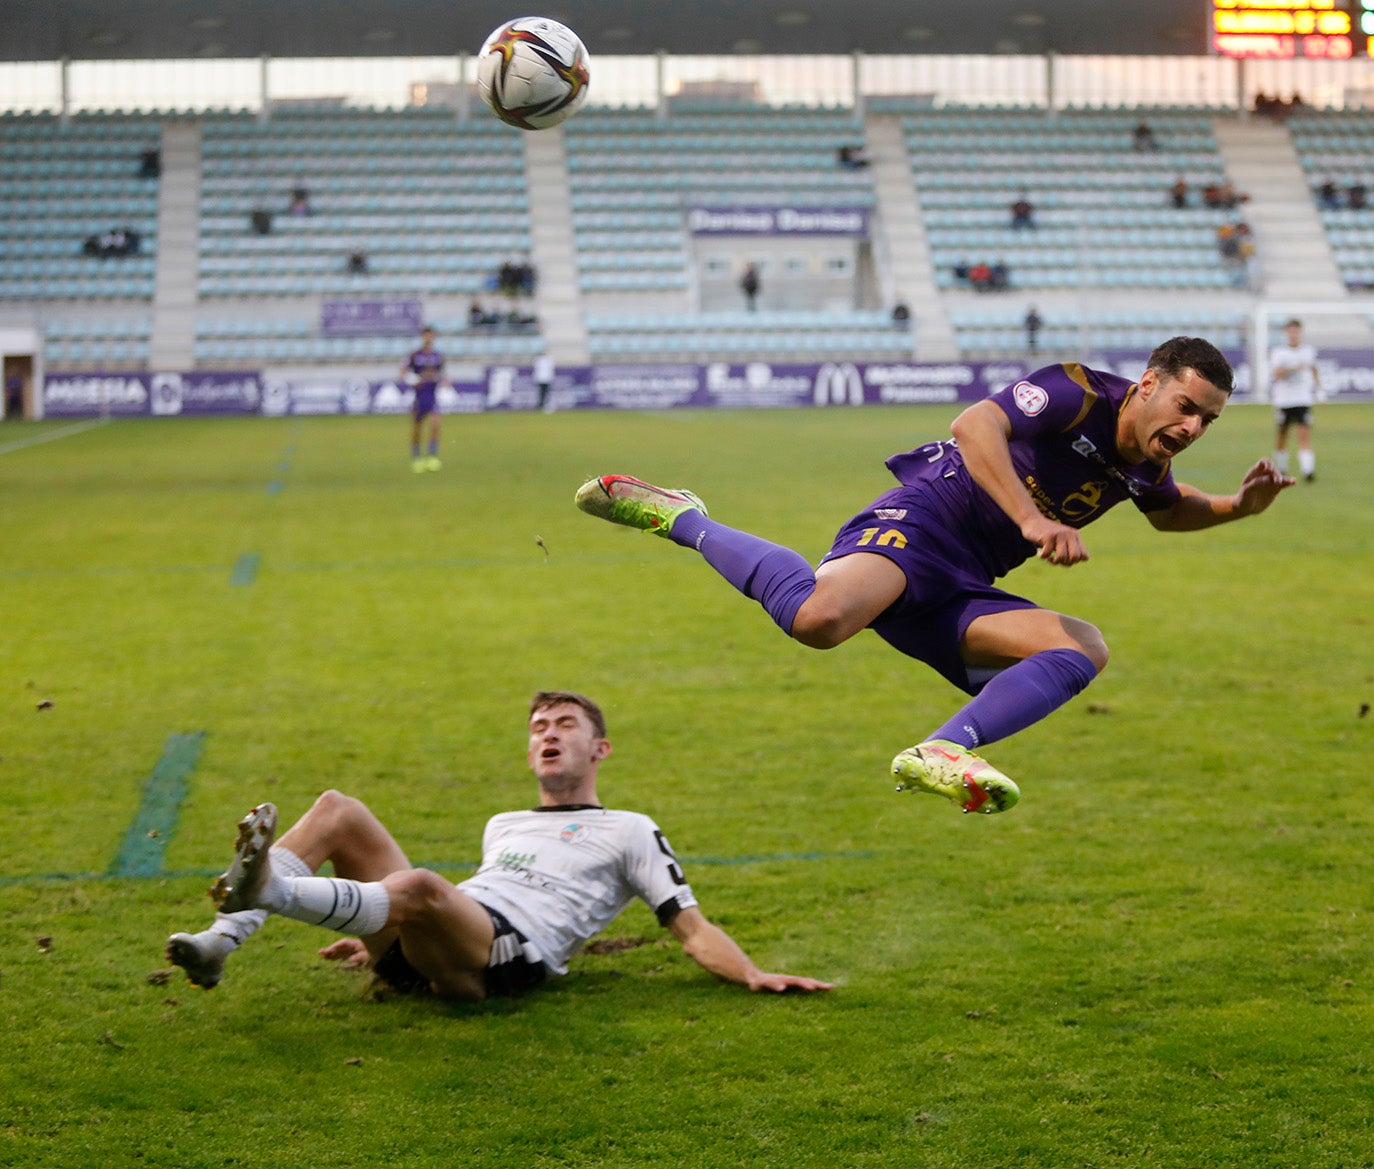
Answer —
(1027, 468)
(425, 370)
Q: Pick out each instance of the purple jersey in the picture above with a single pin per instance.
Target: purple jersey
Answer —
(1063, 446)
(427, 365)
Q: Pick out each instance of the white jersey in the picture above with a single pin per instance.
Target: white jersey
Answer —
(563, 874)
(1293, 375)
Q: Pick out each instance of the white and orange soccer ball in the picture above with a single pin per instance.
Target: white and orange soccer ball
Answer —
(533, 72)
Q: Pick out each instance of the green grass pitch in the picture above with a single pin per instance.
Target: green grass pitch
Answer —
(1162, 957)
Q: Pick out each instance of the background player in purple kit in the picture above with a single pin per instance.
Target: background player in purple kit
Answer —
(1028, 467)
(424, 369)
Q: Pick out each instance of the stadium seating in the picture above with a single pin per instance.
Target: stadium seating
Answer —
(436, 204)
(64, 183)
(632, 175)
(986, 331)
(1102, 212)
(237, 343)
(1339, 145)
(804, 336)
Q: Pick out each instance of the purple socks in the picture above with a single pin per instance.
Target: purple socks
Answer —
(1019, 696)
(778, 578)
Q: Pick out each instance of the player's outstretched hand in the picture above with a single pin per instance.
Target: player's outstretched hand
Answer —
(1260, 487)
(783, 983)
(349, 951)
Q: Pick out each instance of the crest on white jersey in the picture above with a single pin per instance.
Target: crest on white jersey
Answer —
(1029, 398)
(574, 833)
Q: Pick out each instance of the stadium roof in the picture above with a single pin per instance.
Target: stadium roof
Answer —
(47, 30)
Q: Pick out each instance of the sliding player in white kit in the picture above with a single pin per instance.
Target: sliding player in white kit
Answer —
(550, 879)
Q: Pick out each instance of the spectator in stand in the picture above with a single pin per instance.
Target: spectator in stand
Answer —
(1228, 243)
(1033, 324)
(113, 244)
(1355, 195)
(1327, 194)
(150, 163)
(901, 314)
(1143, 138)
(260, 221)
(477, 315)
(852, 157)
(1178, 193)
(357, 262)
(1000, 277)
(300, 201)
(750, 284)
(1265, 105)
(1022, 212)
(980, 276)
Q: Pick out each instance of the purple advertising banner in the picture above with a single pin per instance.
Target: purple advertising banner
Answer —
(204, 393)
(785, 220)
(1346, 376)
(370, 318)
(103, 393)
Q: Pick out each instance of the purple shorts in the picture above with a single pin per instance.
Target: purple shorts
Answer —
(946, 587)
(424, 404)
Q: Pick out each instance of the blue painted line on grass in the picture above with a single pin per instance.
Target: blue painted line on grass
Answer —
(140, 855)
(245, 569)
(276, 487)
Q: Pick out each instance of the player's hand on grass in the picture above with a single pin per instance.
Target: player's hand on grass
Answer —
(350, 951)
(782, 983)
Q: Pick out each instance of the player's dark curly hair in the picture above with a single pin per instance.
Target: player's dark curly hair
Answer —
(547, 698)
(1180, 353)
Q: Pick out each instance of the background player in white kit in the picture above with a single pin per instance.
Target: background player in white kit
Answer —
(550, 878)
(1293, 387)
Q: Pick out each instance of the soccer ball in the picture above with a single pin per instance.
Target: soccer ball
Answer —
(533, 72)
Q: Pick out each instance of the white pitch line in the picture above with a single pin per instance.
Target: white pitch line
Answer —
(51, 435)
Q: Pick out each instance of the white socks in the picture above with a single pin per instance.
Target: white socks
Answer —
(1307, 462)
(1281, 461)
(359, 908)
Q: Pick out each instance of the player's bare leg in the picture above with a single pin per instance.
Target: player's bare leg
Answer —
(445, 934)
(851, 593)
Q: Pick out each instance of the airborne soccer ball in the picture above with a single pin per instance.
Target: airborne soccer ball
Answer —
(533, 72)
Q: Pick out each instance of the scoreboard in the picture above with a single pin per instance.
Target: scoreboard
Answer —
(1279, 29)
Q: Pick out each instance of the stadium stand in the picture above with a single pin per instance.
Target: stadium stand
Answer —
(65, 184)
(1339, 147)
(1101, 206)
(438, 203)
(633, 175)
